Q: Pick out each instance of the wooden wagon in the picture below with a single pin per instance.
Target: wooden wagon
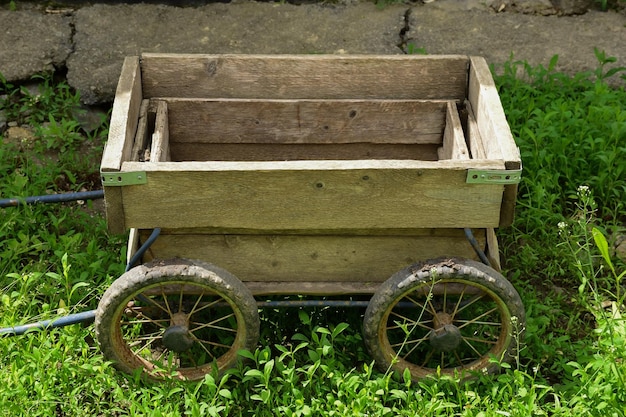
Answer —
(311, 175)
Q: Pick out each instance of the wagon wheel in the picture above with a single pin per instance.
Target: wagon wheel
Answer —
(176, 318)
(450, 316)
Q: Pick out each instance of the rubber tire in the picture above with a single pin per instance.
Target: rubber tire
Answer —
(444, 270)
(138, 279)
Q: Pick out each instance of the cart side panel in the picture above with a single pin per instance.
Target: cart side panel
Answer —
(494, 131)
(310, 258)
(306, 121)
(122, 129)
(305, 76)
(318, 195)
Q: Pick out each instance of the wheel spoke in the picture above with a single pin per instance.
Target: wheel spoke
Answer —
(417, 343)
(472, 300)
(149, 339)
(402, 326)
(476, 339)
(210, 343)
(428, 358)
(409, 342)
(211, 326)
(472, 347)
(180, 299)
(144, 298)
(458, 303)
(201, 343)
(478, 318)
(211, 304)
(147, 319)
(485, 323)
(193, 309)
(167, 304)
(457, 357)
(408, 321)
(420, 305)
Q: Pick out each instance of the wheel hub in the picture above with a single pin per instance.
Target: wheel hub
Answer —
(445, 336)
(177, 338)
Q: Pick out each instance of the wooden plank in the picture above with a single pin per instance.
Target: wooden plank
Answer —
(124, 116)
(494, 129)
(422, 233)
(319, 288)
(454, 146)
(133, 244)
(141, 137)
(122, 128)
(493, 249)
(475, 141)
(305, 76)
(317, 195)
(306, 121)
(293, 258)
(160, 149)
(489, 113)
(276, 152)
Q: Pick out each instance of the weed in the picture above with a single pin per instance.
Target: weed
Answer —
(601, 373)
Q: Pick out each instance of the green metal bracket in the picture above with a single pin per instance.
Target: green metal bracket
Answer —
(482, 176)
(119, 179)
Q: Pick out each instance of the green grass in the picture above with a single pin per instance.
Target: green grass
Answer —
(59, 259)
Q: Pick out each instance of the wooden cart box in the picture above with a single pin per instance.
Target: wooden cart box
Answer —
(309, 174)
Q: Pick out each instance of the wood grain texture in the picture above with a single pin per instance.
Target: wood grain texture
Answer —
(485, 101)
(143, 132)
(306, 121)
(295, 152)
(122, 128)
(312, 288)
(454, 146)
(317, 195)
(475, 141)
(124, 116)
(160, 148)
(494, 129)
(493, 249)
(304, 258)
(305, 76)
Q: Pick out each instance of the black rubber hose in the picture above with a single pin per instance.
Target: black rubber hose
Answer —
(52, 198)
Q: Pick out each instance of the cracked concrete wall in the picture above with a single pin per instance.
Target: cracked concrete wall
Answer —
(263, 28)
(91, 42)
(32, 42)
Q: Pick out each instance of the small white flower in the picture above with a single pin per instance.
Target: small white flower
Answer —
(583, 190)
(562, 225)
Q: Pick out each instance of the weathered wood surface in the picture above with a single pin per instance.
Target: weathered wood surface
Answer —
(485, 103)
(316, 195)
(320, 288)
(475, 141)
(394, 182)
(306, 121)
(306, 258)
(454, 146)
(293, 152)
(143, 131)
(493, 249)
(160, 149)
(305, 76)
(494, 130)
(122, 128)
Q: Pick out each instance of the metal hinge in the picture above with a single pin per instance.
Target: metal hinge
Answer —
(118, 179)
(486, 176)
